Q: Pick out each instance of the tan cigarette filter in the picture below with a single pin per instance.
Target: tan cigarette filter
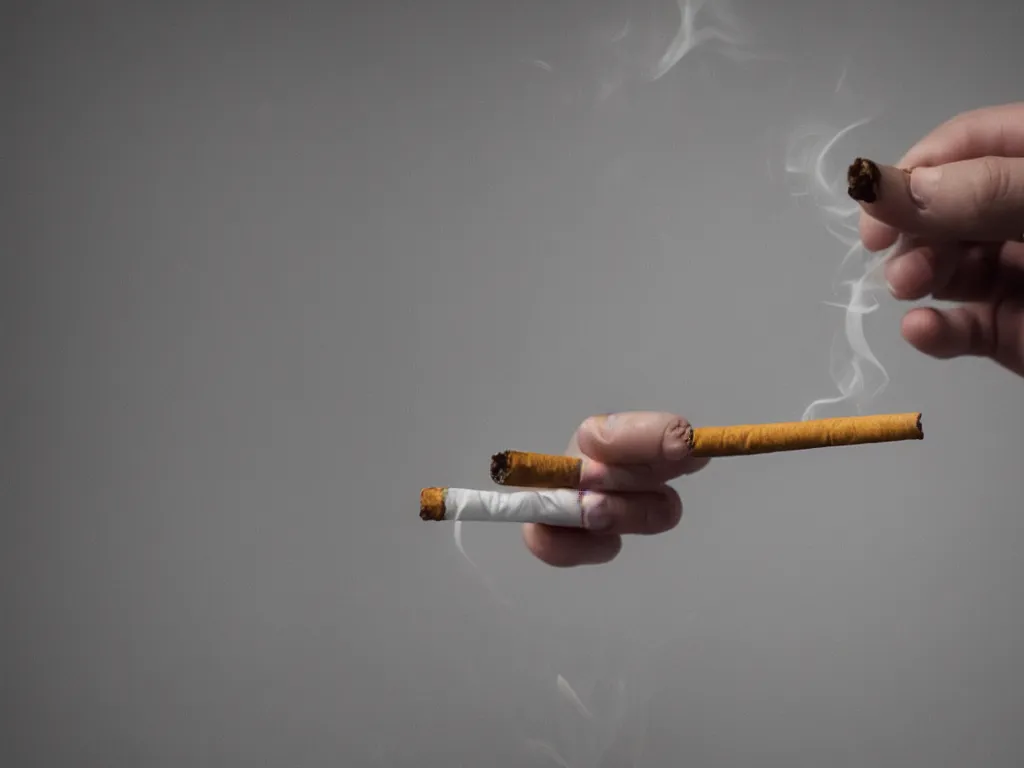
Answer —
(534, 470)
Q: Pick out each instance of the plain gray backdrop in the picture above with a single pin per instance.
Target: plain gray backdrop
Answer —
(269, 268)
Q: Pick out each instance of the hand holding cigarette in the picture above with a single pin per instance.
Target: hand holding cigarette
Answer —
(622, 463)
(613, 480)
(957, 198)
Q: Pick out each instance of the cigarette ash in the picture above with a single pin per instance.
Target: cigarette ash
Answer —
(856, 371)
(862, 179)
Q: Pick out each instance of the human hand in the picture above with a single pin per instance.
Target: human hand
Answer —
(961, 212)
(629, 458)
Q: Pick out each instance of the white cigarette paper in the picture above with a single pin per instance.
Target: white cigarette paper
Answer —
(560, 507)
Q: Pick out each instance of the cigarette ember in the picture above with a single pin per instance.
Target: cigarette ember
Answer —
(740, 440)
(535, 470)
(863, 179)
(562, 507)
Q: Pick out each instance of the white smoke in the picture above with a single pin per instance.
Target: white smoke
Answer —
(702, 22)
(856, 371)
(644, 44)
(601, 727)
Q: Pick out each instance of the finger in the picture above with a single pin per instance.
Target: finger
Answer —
(986, 273)
(922, 268)
(596, 475)
(994, 330)
(992, 131)
(639, 437)
(981, 200)
(570, 547)
(876, 235)
(644, 514)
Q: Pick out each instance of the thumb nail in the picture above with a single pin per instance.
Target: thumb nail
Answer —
(924, 182)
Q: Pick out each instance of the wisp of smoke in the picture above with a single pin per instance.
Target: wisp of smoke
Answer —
(646, 43)
(717, 24)
(598, 731)
(856, 371)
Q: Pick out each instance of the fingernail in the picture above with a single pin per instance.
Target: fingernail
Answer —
(596, 514)
(924, 182)
(678, 440)
(608, 424)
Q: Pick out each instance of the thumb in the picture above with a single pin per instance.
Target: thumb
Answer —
(973, 200)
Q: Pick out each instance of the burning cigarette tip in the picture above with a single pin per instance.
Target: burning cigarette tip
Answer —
(535, 470)
(432, 504)
(863, 179)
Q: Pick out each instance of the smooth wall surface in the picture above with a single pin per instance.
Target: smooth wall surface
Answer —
(269, 268)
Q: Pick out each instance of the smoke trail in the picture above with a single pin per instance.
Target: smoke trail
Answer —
(856, 371)
(641, 46)
(721, 27)
(608, 730)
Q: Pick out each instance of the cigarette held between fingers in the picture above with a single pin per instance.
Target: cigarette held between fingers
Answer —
(561, 507)
(532, 470)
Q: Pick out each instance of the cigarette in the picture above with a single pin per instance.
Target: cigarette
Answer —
(535, 470)
(561, 507)
(532, 470)
(868, 182)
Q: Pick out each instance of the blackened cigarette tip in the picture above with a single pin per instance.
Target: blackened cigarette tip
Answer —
(920, 427)
(500, 467)
(432, 504)
(862, 180)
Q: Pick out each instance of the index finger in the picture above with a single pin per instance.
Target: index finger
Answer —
(988, 132)
(637, 437)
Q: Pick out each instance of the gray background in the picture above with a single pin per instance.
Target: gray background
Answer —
(270, 268)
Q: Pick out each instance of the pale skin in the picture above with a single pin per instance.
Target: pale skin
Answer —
(961, 243)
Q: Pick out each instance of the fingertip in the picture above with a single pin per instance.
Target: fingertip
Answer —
(675, 509)
(929, 331)
(637, 437)
(910, 275)
(678, 439)
(569, 547)
(876, 236)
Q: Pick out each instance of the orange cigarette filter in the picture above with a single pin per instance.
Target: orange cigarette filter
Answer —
(534, 470)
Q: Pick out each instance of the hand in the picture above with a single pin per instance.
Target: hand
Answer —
(962, 217)
(630, 457)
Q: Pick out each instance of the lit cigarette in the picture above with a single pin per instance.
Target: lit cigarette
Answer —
(562, 507)
(868, 182)
(532, 470)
